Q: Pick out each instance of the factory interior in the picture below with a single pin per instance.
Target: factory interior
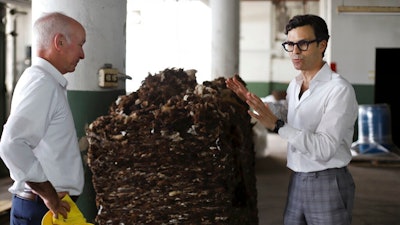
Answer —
(152, 35)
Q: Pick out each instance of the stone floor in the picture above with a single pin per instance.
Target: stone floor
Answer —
(377, 200)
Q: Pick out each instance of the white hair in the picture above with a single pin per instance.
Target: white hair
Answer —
(47, 26)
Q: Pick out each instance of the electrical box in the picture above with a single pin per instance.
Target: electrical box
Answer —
(108, 77)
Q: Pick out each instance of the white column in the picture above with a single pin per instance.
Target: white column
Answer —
(225, 37)
(105, 24)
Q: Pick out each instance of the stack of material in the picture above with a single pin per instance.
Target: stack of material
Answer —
(174, 152)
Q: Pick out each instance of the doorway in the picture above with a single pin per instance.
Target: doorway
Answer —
(386, 70)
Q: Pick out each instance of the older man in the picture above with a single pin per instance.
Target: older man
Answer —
(39, 142)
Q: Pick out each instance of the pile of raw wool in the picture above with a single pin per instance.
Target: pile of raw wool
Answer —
(174, 152)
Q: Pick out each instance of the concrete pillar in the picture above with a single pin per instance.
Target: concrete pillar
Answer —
(105, 23)
(225, 37)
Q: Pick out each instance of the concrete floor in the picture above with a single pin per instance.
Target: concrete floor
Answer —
(377, 188)
(377, 200)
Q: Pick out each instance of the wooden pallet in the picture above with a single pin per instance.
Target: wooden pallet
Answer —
(5, 206)
(380, 160)
(5, 196)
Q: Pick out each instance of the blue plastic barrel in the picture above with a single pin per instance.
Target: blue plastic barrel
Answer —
(374, 128)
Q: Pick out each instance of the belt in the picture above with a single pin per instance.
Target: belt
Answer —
(322, 172)
(30, 196)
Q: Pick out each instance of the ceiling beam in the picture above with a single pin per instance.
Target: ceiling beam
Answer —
(17, 2)
(368, 9)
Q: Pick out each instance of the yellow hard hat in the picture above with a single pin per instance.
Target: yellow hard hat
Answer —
(75, 216)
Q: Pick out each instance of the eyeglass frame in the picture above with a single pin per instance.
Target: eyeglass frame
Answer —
(298, 44)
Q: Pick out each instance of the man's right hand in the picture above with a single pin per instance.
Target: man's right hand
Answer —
(236, 86)
(51, 198)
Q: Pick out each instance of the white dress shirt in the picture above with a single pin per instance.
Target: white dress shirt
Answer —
(320, 125)
(39, 140)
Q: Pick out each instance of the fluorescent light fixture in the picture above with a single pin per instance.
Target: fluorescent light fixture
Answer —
(369, 10)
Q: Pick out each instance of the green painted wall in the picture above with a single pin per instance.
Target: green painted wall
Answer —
(263, 89)
(86, 106)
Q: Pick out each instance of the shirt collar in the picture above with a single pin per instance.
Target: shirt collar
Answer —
(324, 74)
(46, 65)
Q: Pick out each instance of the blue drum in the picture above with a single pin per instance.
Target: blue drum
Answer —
(374, 129)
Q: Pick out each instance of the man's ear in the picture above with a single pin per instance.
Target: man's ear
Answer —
(323, 44)
(59, 41)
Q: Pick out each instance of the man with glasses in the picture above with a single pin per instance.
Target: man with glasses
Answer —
(318, 125)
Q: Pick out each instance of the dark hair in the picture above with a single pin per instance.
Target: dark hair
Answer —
(317, 23)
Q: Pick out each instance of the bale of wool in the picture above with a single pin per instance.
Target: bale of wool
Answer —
(174, 152)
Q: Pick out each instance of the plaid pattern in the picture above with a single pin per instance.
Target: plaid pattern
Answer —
(320, 198)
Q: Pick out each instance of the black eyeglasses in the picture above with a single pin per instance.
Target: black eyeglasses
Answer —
(302, 45)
